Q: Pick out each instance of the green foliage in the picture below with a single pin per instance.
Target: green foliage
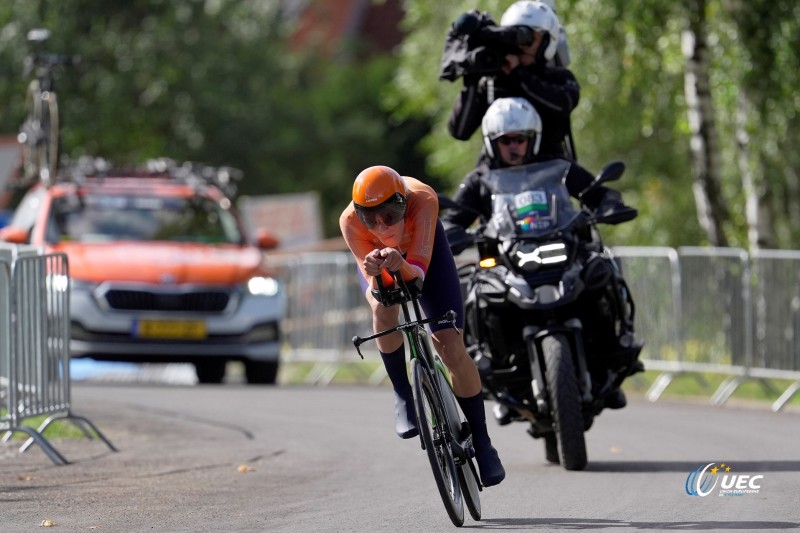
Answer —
(627, 57)
(212, 81)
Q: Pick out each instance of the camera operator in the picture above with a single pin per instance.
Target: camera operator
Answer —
(525, 72)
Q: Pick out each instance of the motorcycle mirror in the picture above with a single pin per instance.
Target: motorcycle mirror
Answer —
(611, 172)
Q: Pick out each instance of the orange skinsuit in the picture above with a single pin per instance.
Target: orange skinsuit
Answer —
(416, 245)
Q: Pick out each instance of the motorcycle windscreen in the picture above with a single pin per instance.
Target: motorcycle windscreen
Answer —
(530, 200)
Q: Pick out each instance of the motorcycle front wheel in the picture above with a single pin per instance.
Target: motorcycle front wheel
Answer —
(565, 401)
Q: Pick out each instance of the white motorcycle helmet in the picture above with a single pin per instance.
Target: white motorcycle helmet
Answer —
(511, 115)
(539, 17)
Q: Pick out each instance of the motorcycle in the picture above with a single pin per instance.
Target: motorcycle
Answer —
(548, 315)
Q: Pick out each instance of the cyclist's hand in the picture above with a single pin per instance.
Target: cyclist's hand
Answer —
(373, 262)
(392, 259)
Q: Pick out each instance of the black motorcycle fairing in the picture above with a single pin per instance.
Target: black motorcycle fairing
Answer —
(529, 201)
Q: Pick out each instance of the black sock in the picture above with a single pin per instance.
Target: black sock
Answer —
(395, 364)
(476, 417)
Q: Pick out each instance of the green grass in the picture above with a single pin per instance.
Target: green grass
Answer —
(355, 373)
(695, 386)
(60, 429)
(703, 386)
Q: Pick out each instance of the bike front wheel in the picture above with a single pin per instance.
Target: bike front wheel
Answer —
(432, 422)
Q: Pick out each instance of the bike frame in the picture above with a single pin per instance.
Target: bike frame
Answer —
(450, 433)
(418, 341)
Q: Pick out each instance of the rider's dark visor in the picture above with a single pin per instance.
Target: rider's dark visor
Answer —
(387, 213)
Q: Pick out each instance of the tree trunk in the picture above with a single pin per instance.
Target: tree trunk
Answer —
(757, 195)
(711, 206)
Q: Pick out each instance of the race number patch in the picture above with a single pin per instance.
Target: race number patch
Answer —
(531, 201)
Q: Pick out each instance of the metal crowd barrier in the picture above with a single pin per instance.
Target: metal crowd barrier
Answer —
(698, 310)
(34, 351)
(325, 310)
(733, 313)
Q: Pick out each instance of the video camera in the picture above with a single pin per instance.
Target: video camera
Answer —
(476, 45)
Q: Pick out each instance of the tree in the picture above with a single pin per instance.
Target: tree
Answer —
(629, 61)
(214, 82)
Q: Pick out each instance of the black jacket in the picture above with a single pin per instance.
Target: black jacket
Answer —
(553, 91)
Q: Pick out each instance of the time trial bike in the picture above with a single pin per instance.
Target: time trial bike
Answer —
(444, 433)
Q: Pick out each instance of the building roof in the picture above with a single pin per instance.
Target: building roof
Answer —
(325, 25)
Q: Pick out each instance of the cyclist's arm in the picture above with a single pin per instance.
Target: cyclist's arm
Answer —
(421, 219)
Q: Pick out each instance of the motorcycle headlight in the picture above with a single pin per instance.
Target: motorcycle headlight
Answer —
(263, 286)
(530, 256)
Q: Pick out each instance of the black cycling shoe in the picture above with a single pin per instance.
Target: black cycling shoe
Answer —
(616, 399)
(491, 469)
(502, 414)
(405, 419)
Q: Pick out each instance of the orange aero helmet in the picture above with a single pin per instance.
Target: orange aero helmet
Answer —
(379, 195)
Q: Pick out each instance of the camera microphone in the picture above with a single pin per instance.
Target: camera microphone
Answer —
(467, 24)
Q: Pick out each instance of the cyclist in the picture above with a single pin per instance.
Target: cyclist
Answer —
(392, 224)
(512, 131)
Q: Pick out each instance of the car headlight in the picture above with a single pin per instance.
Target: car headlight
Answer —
(530, 256)
(263, 286)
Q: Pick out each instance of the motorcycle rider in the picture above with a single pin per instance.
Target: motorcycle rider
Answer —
(512, 135)
(553, 90)
(512, 131)
(392, 223)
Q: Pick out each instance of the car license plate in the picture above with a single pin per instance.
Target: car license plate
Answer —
(170, 329)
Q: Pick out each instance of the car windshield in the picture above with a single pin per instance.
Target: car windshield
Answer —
(529, 200)
(106, 218)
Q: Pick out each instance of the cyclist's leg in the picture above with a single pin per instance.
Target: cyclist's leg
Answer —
(393, 355)
(441, 293)
(492, 471)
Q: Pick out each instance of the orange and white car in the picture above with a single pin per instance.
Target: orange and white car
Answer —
(162, 269)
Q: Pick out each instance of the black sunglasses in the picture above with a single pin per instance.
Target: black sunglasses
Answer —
(506, 140)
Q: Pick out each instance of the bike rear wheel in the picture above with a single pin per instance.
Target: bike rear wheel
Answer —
(467, 477)
(470, 488)
(432, 422)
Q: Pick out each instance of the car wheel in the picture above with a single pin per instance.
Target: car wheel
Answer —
(210, 371)
(261, 372)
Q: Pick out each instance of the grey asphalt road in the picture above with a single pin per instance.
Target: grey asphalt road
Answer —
(237, 458)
